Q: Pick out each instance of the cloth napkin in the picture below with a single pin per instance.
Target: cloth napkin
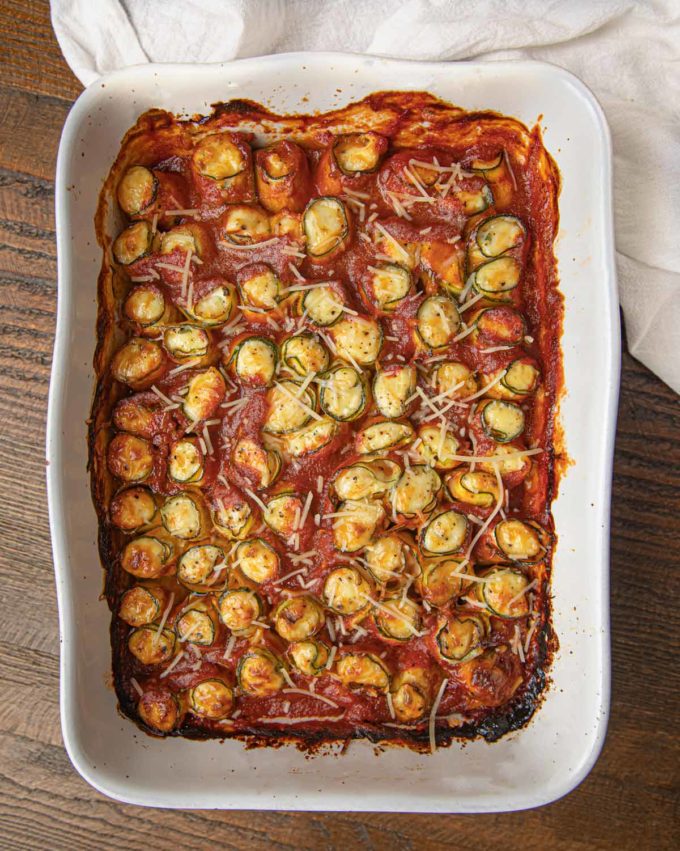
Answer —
(627, 52)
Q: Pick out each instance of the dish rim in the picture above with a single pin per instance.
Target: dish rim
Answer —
(56, 412)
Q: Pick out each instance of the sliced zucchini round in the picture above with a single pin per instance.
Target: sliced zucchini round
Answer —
(137, 190)
(326, 225)
(305, 353)
(196, 625)
(487, 165)
(245, 224)
(440, 582)
(276, 161)
(345, 590)
(445, 264)
(520, 540)
(384, 436)
(217, 157)
(264, 465)
(387, 285)
(259, 673)
(392, 388)
(141, 604)
(133, 243)
(159, 710)
(254, 361)
(135, 417)
(438, 448)
(517, 462)
(151, 647)
(450, 374)
(410, 691)
(146, 557)
(386, 558)
(130, 458)
(358, 153)
(475, 200)
(474, 488)
(196, 567)
(461, 639)
(502, 592)
(282, 513)
(183, 516)
(257, 560)
(132, 509)
(145, 305)
(311, 438)
(185, 462)
(403, 253)
(233, 519)
(362, 670)
(499, 234)
(309, 657)
(298, 618)
(445, 533)
(206, 391)
(398, 618)
(343, 394)
(497, 277)
(288, 414)
(366, 479)
(501, 325)
(416, 491)
(183, 238)
(438, 321)
(185, 341)
(238, 608)
(521, 377)
(138, 363)
(502, 421)
(357, 339)
(322, 306)
(215, 307)
(212, 699)
(356, 524)
(260, 288)
(289, 223)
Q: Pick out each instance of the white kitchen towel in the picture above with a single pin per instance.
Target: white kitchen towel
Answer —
(627, 52)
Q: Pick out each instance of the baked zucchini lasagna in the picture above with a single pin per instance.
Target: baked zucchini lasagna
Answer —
(323, 440)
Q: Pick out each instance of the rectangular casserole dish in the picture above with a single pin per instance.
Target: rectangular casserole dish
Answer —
(528, 768)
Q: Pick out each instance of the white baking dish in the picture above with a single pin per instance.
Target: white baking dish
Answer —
(557, 749)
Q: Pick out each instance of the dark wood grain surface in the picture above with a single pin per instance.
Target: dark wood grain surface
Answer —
(630, 800)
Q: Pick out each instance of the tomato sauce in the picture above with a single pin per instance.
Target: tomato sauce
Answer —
(387, 205)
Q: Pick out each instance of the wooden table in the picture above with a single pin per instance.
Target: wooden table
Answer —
(629, 800)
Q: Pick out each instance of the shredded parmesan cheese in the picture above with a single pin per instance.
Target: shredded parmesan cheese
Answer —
(172, 665)
(187, 365)
(301, 720)
(331, 657)
(529, 587)
(256, 499)
(311, 694)
(298, 402)
(433, 716)
(230, 647)
(388, 236)
(164, 618)
(232, 246)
